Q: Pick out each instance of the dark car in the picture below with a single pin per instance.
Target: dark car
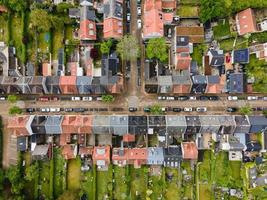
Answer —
(203, 98)
(68, 109)
(213, 98)
(132, 109)
(146, 109)
(117, 109)
(30, 110)
(231, 109)
(103, 109)
(79, 109)
(182, 98)
(176, 109)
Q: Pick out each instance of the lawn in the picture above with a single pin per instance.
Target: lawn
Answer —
(4, 28)
(228, 44)
(68, 32)
(222, 29)
(139, 181)
(198, 52)
(204, 171)
(157, 185)
(188, 11)
(204, 192)
(57, 42)
(120, 175)
(173, 181)
(188, 185)
(104, 184)
(46, 179)
(43, 42)
(88, 181)
(73, 174)
(190, 2)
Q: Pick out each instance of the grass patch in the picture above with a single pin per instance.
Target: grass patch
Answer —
(157, 185)
(222, 29)
(59, 173)
(228, 44)
(104, 184)
(198, 52)
(204, 192)
(73, 174)
(68, 32)
(121, 177)
(43, 42)
(188, 11)
(190, 2)
(45, 179)
(57, 42)
(173, 188)
(4, 28)
(188, 185)
(139, 182)
(88, 180)
(205, 168)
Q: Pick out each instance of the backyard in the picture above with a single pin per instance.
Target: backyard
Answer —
(88, 183)
(230, 44)
(4, 28)
(156, 185)
(188, 11)
(104, 186)
(173, 184)
(73, 174)
(222, 29)
(139, 181)
(46, 178)
(120, 186)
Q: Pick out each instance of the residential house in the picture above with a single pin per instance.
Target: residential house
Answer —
(101, 124)
(46, 69)
(172, 156)
(155, 156)
(227, 124)
(175, 125)
(241, 56)
(74, 69)
(19, 125)
(209, 124)
(216, 57)
(60, 67)
(113, 19)
(246, 22)
(74, 13)
(195, 33)
(87, 23)
(84, 84)
(53, 124)
(193, 125)
(37, 85)
(168, 5)
(52, 85)
(156, 124)
(242, 124)
(38, 124)
(199, 84)
(42, 152)
(182, 84)
(137, 125)
(165, 84)
(237, 83)
(69, 151)
(183, 61)
(260, 50)
(258, 123)
(214, 85)
(68, 84)
(101, 157)
(119, 124)
(153, 19)
(9, 85)
(189, 151)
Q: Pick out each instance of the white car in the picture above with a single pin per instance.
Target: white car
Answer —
(2, 98)
(139, 23)
(139, 11)
(128, 17)
(193, 98)
(170, 98)
(76, 98)
(99, 98)
(45, 109)
(87, 98)
(252, 98)
(54, 109)
(161, 98)
(264, 98)
(232, 98)
(188, 109)
(201, 109)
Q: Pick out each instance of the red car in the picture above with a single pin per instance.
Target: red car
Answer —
(43, 99)
(54, 98)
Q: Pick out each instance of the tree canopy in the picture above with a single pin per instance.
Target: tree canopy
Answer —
(40, 20)
(156, 109)
(157, 48)
(245, 110)
(15, 5)
(128, 48)
(15, 110)
(12, 98)
(105, 46)
(31, 171)
(108, 98)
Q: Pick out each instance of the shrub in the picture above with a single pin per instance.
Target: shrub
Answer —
(15, 110)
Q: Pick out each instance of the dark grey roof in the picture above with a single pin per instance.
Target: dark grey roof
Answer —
(119, 124)
(258, 123)
(40, 152)
(242, 124)
(87, 13)
(217, 58)
(172, 156)
(193, 124)
(199, 84)
(74, 12)
(137, 124)
(180, 79)
(38, 125)
(227, 124)
(52, 84)
(22, 143)
(213, 79)
(209, 123)
(199, 79)
(37, 85)
(84, 84)
(176, 124)
(53, 124)
(113, 8)
(110, 64)
(182, 41)
(241, 56)
(236, 83)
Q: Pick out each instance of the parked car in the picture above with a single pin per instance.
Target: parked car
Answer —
(139, 23)
(203, 98)
(252, 98)
(99, 98)
(68, 109)
(54, 109)
(30, 110)
(232, 98)
(231, 109)
(193, 98)
(43, 99)
(139, 11)
(170, 98)
(75, 98)
(264, 98)
(44, 110)
(201, 109)
(132, 109)
(54, 98)
(182, 98)
(188, 109)
(214, 98)
(2, 98)
(103, 109)
(161, 97)
(117, 109)
(128, 17)
(176, 109)
(169, 33)
(146, 109)
(87, 98)
(79, 109)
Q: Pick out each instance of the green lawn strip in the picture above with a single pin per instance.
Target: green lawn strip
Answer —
(88, 181)
(59, 173)
(222, 29)
(45, 179)
(235, 175)
(204, 171)
(188, 185)
(188, 11)
(173, 188)
(57, 42)
(227, 44)
(198, 52)
(204, 192)
(104, 184)
(139, 181)
(43, 42)
(120, 186)
(190, 2)
(157, 185)
(73, 174)
(68, 32)
(4, 28)
(222, 169)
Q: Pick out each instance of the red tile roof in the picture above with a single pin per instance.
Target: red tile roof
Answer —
(167, 18)
(101, 153)
(46, 67)
(214, 88)
(86, 150)
(68, 152)
(183, 61)
(113, 28)
(189, 150)
(87, 30)
(169, 4)
(246, 22)
(68, 84)
(153, 22)
(73, 68)
(195, 33)
(129, 138)
(17, 125)
(182, 88)
(68, 124)
(65, 138)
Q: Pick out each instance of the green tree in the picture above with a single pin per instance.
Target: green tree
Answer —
(15, 110)
(128, 48)
(105, 46)
(156, 109)
(108, 98)
(15, 177)
(246, 110)
(212, 9)
(57, 22)
(264, 113)
(31, 171)
(157, 48)
(40, 20)
(12, 98)
(15, 5)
